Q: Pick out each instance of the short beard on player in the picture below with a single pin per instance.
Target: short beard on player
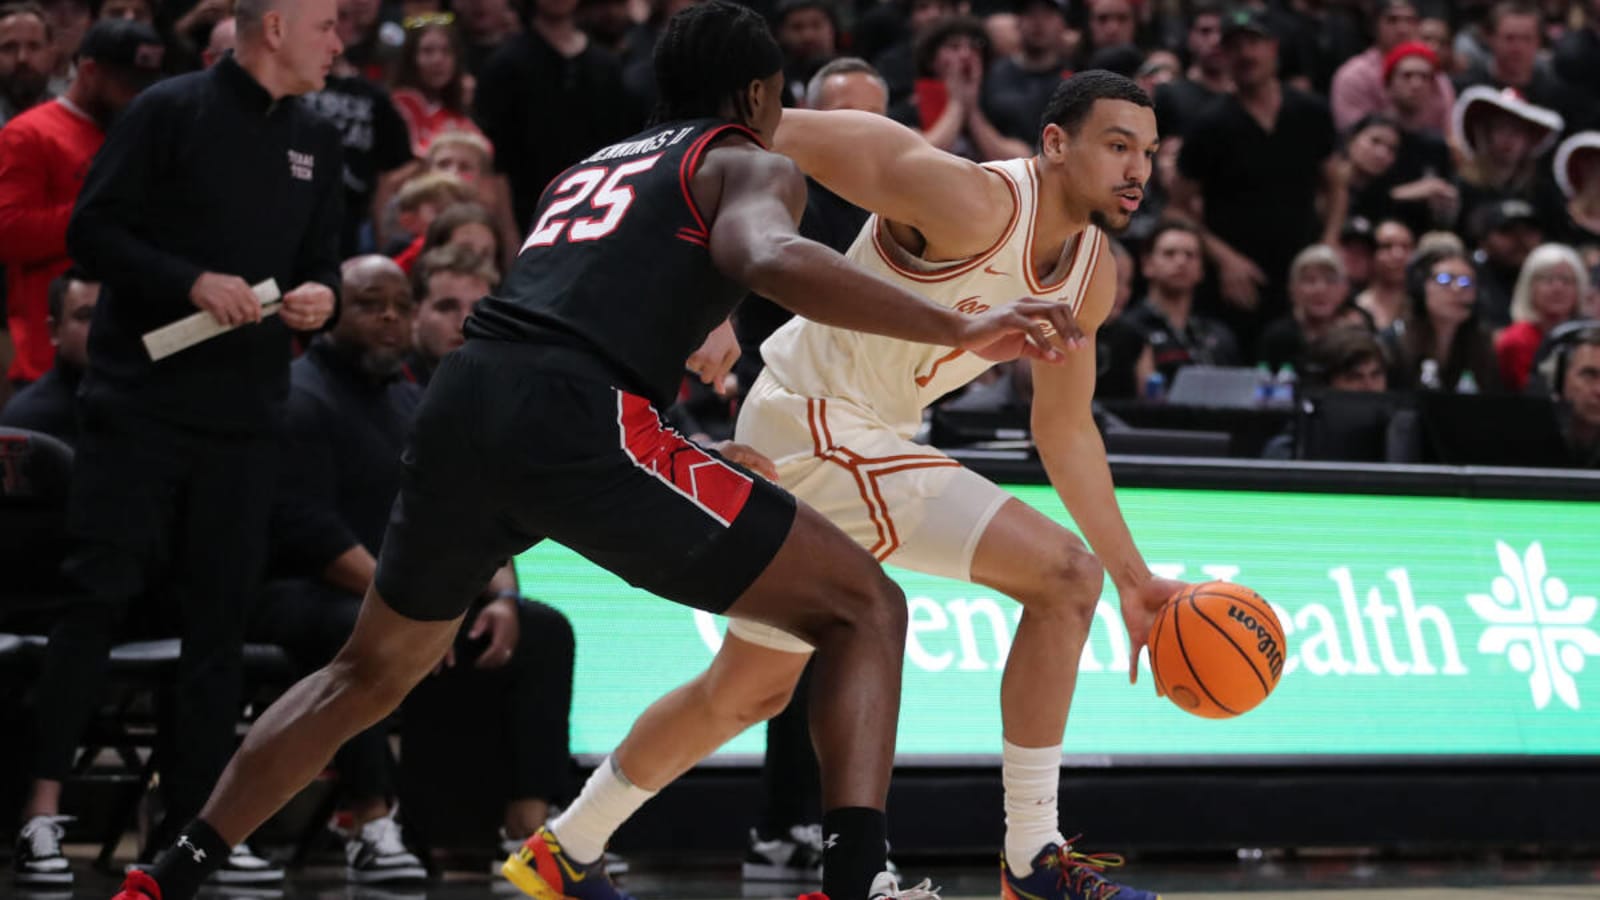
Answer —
(1102, 220)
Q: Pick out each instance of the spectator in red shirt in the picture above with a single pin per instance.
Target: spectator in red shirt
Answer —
(44, 157)
(432, 90)
(1547, 293)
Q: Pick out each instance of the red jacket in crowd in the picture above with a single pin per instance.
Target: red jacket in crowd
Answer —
(44, 158)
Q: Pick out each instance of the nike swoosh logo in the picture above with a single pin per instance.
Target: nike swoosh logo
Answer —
(572, 874)
(991, 270)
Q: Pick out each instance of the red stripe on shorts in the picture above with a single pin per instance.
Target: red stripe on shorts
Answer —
(711, 484)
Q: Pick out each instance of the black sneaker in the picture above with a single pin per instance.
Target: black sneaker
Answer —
(377, 854)
(39, 859)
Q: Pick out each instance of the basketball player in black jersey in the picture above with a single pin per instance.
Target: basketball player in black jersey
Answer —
(545, 425)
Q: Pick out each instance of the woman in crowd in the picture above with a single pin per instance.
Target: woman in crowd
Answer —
(432, 90)
(1547, 294)
(1438, 344)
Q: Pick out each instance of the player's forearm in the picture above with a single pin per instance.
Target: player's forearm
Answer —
(1074, 457)
(813, 281)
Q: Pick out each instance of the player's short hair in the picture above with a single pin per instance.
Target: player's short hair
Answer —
(451, 259)
(707, 57)
(1075, 97)
(439, 188)
(844, 65)
(56, 294)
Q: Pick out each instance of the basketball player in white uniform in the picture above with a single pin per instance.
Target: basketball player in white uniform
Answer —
(835, 412)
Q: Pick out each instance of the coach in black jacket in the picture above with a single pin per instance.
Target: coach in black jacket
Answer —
(210, 182)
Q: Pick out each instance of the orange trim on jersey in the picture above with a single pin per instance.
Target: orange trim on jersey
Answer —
(866, 478)
(691, 162)
(1027, 249)
(924, 380)
(1088, 271)
(960, 267)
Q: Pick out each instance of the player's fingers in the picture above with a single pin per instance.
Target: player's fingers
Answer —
(1039, 339)
(1133, 662)
(1066, 325)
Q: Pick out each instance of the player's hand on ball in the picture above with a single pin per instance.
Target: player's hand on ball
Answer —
(307, 307)
(748, 457)
(1140, 605)
(227, 298)
(1037, 329)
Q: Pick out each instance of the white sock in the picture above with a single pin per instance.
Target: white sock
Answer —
(608, 799)
(1032, 778)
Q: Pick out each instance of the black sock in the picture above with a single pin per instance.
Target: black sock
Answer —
(181, 868)
(854, 850)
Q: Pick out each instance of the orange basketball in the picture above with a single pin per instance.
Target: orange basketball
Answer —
(1217, 650)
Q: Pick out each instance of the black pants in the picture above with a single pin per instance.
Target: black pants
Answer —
(182, 515)
(789, 775)
(311, 622)
(524, 708)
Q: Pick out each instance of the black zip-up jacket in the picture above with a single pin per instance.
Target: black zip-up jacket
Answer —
(204, 172)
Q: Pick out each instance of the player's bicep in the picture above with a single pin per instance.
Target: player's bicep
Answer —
(1064, 392)
(762, 199)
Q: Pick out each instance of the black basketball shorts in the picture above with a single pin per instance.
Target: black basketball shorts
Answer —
(515, 444)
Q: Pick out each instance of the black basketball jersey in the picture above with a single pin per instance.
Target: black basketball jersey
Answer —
(619, 258)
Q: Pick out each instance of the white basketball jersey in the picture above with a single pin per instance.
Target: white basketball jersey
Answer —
(895, 378)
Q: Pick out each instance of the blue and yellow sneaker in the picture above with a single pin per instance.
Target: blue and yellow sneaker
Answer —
(1062, 873)
(541, 870)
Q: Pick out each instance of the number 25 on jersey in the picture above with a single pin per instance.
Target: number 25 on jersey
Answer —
(599, 191)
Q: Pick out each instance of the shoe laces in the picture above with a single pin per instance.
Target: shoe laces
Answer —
(1082, 872)
(44, 834)
(383, 834)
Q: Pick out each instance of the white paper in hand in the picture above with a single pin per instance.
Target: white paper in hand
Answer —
(190, 330)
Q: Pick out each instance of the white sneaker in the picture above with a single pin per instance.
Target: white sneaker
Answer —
(38, 858)
(796, 856)
(377, 854)
(887, 887)
(244, 867)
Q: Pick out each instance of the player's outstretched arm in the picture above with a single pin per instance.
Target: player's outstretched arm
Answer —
(754, 242)
(1074, 456)
(960, 207)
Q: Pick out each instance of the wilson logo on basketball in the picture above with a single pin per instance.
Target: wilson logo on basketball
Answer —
(970, 306)
(1265, 642)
